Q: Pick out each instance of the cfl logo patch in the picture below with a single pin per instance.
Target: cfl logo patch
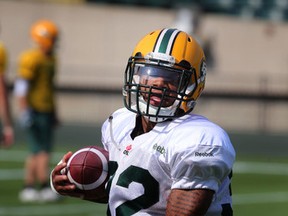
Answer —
(127, 150)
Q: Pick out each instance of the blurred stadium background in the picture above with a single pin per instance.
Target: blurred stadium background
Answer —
(246, 90)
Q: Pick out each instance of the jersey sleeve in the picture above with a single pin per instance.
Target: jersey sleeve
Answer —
(108, 129)
(202, 163)
(27, 65)
(104, 135)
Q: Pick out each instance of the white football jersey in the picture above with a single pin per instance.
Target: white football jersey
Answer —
(189, 152)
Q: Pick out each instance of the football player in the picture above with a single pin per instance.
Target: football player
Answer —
(163, 159)
(34, 89)
(7, 132)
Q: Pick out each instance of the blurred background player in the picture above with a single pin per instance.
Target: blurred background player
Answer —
(34, 90)
(6, 129)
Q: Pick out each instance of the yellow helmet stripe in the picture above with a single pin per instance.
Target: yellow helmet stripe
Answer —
(165, 41)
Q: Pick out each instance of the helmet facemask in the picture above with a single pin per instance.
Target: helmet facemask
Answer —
(157, 87)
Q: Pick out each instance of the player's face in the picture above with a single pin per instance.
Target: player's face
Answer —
(49, 48)
(158, 85)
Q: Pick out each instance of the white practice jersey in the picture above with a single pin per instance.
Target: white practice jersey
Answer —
(189, 152)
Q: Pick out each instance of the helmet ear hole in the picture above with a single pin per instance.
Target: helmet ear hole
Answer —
(185, 64)
(138, 54)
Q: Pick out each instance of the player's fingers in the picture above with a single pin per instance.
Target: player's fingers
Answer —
(68, 190)
(67, 156)
(60, 179)
(57, 170)
(61, 166)
(65, 190)
(61, 183)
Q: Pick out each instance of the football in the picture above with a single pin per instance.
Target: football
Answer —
(87, 168)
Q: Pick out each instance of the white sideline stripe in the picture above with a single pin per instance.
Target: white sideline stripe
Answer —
(11, 174)
(261, 168)
(61, 209)
(19, 156)
(254, 198)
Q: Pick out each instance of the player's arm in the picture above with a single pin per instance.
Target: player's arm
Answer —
(21, 88)
(8, 135)
(25, 74)
(189, 202)
(60, 183)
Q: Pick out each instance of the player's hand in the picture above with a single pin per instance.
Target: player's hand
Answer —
(7, 138)
(60, 182)
(26, 119)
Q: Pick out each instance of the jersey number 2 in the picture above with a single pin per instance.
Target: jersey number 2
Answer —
(138, 175)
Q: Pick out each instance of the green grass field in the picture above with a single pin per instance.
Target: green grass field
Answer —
(260, 181)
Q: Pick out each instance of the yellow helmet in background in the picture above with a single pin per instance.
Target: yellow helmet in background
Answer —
(44, 33)
(165, 52)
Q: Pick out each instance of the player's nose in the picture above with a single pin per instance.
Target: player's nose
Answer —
(159, 82)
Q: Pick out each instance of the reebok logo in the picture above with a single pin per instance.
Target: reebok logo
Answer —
(203, 154)
(159, 149)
